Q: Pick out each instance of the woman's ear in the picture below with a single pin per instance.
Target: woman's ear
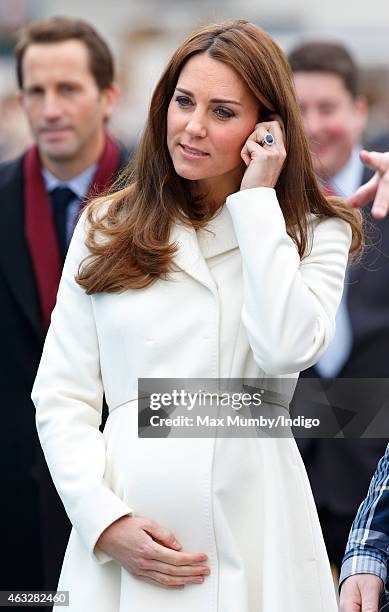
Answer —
(264, 115)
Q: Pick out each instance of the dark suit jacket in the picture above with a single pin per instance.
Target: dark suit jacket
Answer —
(34, 526)
(340, 470)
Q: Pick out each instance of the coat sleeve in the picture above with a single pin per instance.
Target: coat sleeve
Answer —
(289, 305)
(68, 394)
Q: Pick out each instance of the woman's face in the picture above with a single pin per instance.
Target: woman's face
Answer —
(210, 116)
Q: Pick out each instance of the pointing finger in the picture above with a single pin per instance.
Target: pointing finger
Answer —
(381, 201)
(376, 161)
(365, 193)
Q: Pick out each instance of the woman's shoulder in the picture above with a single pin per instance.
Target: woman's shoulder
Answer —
(91, 218)
(97, 216)
(323, 224)
(327, 234)
(96, 210)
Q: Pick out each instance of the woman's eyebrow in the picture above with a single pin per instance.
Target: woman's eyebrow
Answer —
(220, 100)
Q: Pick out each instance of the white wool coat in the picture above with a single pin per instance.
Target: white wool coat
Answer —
(241, 304)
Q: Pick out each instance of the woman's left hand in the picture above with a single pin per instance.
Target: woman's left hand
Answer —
(264, 162)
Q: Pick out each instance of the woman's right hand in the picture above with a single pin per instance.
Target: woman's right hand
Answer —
(150, 552)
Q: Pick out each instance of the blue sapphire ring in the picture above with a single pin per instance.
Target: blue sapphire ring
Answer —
(268, 139)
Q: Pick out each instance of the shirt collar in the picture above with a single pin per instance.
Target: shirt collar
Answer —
(350, 176)
(78, 184)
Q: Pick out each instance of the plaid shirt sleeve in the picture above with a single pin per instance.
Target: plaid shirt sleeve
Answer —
(367, 550)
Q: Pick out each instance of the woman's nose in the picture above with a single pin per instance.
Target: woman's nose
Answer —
(196, 126)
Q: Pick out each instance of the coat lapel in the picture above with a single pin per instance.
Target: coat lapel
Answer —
(219, 235)
(15, 259)
(195, 247)
(189, 257)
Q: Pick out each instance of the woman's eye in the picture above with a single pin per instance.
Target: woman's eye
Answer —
(183, 101)
(224, 113)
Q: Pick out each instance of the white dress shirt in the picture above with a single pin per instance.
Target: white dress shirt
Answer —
(344, 184)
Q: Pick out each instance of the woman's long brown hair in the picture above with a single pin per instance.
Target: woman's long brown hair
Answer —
(129, 229)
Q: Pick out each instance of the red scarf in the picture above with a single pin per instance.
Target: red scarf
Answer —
(39, 226)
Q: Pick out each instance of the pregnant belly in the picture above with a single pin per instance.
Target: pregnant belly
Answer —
(167, 479)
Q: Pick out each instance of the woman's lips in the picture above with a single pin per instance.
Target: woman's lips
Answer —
(192, 153)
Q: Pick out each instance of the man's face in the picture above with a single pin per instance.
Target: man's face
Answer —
(65, 108)
(333, 119)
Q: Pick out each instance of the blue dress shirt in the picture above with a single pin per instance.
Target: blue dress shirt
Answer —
(79, 185)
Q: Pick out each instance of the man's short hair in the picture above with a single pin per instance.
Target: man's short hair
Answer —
(326, 57)
(59, 29)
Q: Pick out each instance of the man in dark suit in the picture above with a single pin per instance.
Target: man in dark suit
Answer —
(66, 80)
(334, 115)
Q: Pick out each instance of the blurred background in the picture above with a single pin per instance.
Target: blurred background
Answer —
(143, 33)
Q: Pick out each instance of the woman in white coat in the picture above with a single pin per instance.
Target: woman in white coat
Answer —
(206, 524)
